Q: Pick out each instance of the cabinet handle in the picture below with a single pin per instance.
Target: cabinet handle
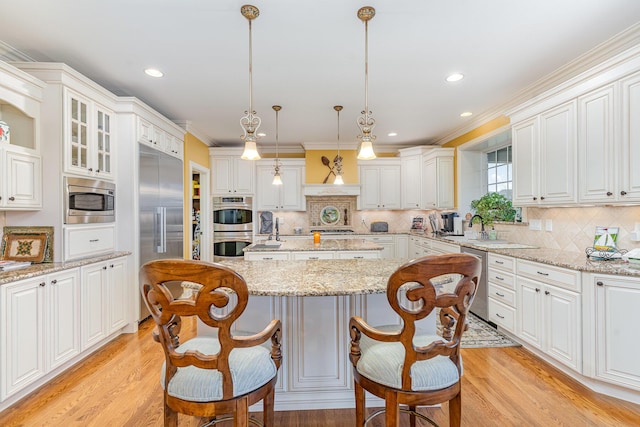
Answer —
(541, 197)
(358, 257)
(12, 198)
(609, 193)
(499, 278)
(541, 273)
(537, 289)
(93, 240)
(267, 257)
(499, 262)
(502, 317)
(599, 283)
(547, 293)
(313, 257)
(499, 294)
(42, 284)
(623, 193)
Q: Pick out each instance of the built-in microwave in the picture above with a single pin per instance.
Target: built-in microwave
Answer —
(88, 201)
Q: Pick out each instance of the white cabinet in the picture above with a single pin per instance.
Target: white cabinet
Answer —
(153, 135)
(231, 174)
(312, 255)
(629, 157)
(20, 180)
(88, 137)
(266, 256)
(402, 246)
(82, 241)
(411, 181)
(501, 291)
(288, 196)
(437, 179)
(40, 328)
(545, 157)
(616, 320)
(388, 245)
(380, 185)
(549, 315)
(105, 300)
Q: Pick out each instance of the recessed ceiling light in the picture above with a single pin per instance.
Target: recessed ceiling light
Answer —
(262, 134)
(392, 134)
(466, 114)
(455, 77)
(153, 72)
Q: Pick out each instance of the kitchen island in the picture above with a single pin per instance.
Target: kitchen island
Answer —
(301, 249)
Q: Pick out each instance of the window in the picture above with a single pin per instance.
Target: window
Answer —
(499, 172)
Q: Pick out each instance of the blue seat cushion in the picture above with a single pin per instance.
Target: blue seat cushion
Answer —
(382, 362)
(250, 368)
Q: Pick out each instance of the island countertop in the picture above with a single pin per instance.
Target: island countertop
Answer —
(305, 245)
(316, 277)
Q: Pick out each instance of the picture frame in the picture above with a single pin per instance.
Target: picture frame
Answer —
(12, 232)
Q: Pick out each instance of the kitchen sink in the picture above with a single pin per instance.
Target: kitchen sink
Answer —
(267, 245)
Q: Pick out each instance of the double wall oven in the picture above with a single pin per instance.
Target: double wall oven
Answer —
(232, 226)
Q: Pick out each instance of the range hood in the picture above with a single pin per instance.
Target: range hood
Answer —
(331, 190)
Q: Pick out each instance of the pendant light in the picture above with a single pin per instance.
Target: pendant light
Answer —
(366, 123)
(250, 122)
(338, 162)
(277, 180)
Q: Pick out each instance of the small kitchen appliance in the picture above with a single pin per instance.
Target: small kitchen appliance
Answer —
(379, 227)
(448, 221)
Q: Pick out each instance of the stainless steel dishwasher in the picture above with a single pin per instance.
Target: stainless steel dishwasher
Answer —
(480, 304)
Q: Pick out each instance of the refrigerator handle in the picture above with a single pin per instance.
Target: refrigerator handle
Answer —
(161, 219)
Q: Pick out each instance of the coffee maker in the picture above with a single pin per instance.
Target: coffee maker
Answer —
(447, 221)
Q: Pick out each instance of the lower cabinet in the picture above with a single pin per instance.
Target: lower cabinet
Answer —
(40, 327)
(616, 320)
(104, 300)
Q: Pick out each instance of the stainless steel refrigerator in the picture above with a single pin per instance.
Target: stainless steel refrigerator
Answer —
(161, 200)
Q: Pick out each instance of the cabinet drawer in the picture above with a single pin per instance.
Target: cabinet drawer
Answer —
(359, 255)
(502, 262)
(312, 255)
(563, 277)
(444, 248)
(81, 242)
(501, 278)
(502, 315)
(266, 256)
(506, 296)
(388, 239)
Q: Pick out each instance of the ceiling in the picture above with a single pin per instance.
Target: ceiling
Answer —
(309, 56)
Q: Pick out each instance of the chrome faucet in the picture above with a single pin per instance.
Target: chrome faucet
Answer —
(481, 221)
(277, 229)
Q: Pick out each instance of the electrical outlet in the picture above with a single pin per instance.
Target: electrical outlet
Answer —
(280, 220)
(548, 225)
(535, 224)
(362, 219)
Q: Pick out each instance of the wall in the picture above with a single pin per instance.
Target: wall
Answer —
(195, 151)
(316, 171)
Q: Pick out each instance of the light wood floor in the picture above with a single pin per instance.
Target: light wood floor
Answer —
(119, 386)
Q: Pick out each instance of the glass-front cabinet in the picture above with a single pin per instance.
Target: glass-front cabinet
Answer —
(20, 165)
(88, 137)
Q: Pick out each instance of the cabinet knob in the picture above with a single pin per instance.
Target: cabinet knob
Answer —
(0, 197)
(537, 289)
(90, 169)
(535, 198)
(42, 284)
(609, 193)
(547, 292)
(54, 281)
(104, 268)
(97, 170)
(111, 266)
(623, 193)
(12, 198)
(542, 198)
(599, 283)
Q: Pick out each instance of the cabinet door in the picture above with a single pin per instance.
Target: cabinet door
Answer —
(525, 163)
(103, 148)
(445, 187)
(243, 176)
(117, 295)
(390, 187)
(596, 146)
(77, 124)
(93, 313)
(430, 184)
(529, 326)
(22, 333)
(563, 327)
(268, 195)
(617, 318)
(370, 190)
(24, 183)
(291, 196)
(411, 182)
(558, 151)
(402, 246)
(221, 176)
(63, 297)
(630, 151)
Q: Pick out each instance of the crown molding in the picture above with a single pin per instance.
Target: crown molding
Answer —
(9, 53)
(187, 126)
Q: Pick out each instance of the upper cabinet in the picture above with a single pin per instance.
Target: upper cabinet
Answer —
(88, 135)
(231, 174)
(288, 196)
(155, 136)
(20, 163)
(380, 181)
(544, 153)
(579, 143)
(427, 178)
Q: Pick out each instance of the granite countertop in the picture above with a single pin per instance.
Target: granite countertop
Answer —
(307, 245)
(52, 267)
(316, 277)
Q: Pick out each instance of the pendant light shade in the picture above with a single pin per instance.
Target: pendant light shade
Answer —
(365, 122)
(277, 180)
(250, 122)
(338, 161)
